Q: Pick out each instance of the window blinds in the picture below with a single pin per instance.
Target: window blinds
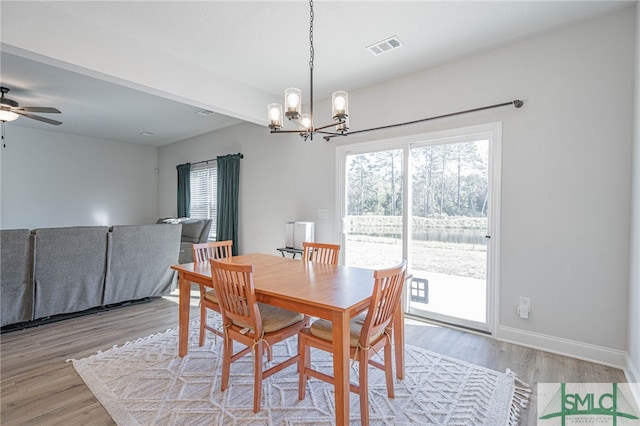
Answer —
(204, 190)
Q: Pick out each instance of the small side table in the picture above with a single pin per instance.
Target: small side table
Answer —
(291, 250)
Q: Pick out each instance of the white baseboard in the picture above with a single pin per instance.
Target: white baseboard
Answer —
(632, 373)
(584, 351)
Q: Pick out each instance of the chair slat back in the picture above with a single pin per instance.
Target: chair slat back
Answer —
(320, 252)
(211, 250)
(386, 295)
(236, 294)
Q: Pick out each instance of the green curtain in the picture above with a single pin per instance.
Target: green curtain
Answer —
(228, 195)
(184, 189)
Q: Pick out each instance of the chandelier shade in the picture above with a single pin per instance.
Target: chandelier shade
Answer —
(275, 115)
(305, 122)
(339, 105)
(293, 103)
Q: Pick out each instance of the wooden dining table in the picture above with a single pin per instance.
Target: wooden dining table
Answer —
(333, 292)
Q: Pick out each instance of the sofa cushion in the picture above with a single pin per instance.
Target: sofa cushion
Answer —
(191, 230)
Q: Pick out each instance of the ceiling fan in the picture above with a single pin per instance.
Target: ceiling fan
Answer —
(10, 110)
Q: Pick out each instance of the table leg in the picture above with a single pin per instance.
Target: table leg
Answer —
(184, 297)
(398, 340)
(341, 367)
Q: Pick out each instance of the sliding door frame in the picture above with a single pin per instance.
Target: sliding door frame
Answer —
(405, 143)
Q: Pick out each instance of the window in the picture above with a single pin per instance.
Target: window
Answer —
(204, 193)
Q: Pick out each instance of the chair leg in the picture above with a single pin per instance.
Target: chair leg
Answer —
(257, 377)
(388, 370)
(226, 362)
(363, 375)
(303, 361)
(203, 317)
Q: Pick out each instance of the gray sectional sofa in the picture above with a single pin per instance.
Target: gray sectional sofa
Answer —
(53, 271)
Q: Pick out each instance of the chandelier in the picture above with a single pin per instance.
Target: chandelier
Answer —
(293, 106)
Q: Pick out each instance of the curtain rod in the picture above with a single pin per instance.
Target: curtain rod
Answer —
(213, 159)
(516, 103)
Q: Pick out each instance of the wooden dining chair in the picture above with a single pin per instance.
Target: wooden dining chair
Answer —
(254, 325)
(208, 300)
(320, 252)
(369, 332)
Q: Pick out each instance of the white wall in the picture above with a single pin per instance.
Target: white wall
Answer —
(633, 347)
(281, 179)
(52, 180)
(566, 174)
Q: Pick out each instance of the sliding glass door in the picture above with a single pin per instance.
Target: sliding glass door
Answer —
(449, 244)
(374, 209)
(431, 199)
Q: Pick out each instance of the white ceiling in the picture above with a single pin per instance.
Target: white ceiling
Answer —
(100, 109)
(119, 68)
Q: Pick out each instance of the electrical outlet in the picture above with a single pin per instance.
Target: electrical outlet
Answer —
(323, 213)
(524, 307)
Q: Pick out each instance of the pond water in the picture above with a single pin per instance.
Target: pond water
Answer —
(445, 235)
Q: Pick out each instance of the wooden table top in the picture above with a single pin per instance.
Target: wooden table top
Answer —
(332, 287)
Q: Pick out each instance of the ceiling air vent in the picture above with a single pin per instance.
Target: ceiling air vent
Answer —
(385, 45)
(204, 112)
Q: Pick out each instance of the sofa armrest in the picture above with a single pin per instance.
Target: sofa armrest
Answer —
(16, 276)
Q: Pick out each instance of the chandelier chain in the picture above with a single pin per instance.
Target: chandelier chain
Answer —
(311, 52)
(293, 100)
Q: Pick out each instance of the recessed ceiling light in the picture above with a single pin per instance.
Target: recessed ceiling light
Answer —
(204, 112)
(385, 46)
(147, 134)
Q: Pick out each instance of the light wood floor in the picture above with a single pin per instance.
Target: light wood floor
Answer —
(40, 388)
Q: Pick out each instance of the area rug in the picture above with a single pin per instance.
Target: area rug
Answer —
(145, 382)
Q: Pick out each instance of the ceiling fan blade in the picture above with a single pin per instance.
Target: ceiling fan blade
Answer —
(50, 110)
(37, 117)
